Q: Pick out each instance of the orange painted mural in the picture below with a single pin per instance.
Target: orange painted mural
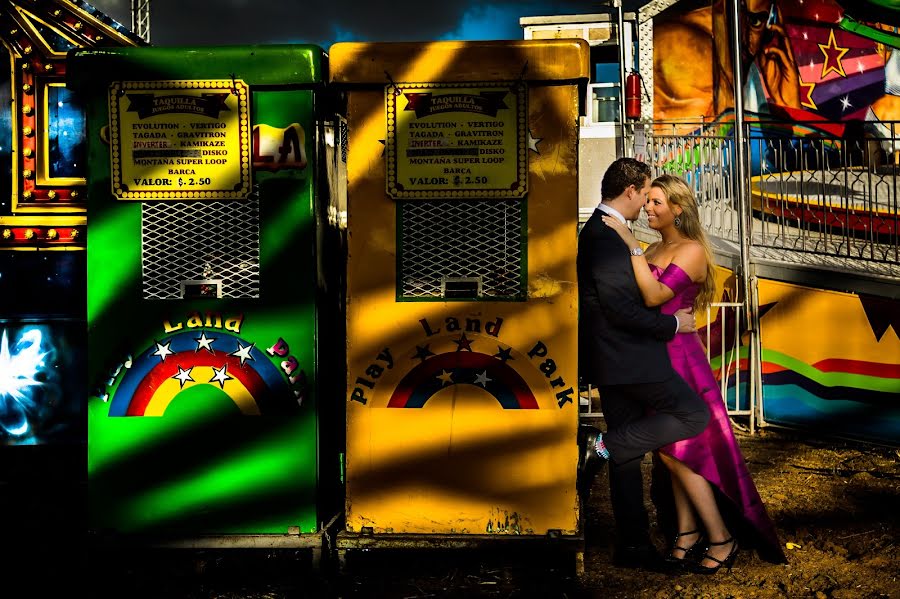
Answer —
(803, 60)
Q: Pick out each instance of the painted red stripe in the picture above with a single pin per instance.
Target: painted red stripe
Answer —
(885, 371)
(769, 367)
(428, 369)
(166, 370)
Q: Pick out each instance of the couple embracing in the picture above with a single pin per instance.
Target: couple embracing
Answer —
(638, 345)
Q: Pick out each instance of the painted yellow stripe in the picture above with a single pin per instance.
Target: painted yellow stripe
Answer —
(201, 374)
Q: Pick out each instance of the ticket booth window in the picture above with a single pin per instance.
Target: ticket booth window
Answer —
(6, 135)
(200, 249)
(62, 150)
(462, 250)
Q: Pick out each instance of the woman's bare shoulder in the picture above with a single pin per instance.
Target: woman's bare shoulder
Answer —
(690, 256)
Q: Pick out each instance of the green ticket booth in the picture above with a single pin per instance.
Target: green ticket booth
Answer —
(207, 296)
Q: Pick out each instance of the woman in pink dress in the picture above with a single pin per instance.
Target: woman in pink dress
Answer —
(716, 505)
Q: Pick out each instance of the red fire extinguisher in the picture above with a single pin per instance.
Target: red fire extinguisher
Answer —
(633, 95)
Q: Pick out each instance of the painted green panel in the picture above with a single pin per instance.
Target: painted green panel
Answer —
(195, 426)
(268, 65)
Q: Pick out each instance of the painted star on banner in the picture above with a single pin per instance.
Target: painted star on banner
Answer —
(446, 377)
(204, 342)
(463, 343)
(504, 354)
(806, 92)
(183, 376)
(243, 352)
(833, 55)
(221, 375)
(533, 143)
(422, 353)
(162, 351)
(482, 379)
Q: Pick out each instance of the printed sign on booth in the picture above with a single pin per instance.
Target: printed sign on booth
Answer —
(453, 141)
(180, 140)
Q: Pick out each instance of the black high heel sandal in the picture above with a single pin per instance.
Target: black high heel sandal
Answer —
(687, 551)
(727, 562)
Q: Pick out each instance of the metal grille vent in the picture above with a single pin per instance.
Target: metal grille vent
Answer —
(344, 131)
(462, 249)
(206, 248)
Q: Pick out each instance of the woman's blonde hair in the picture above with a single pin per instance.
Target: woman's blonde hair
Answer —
(678, 193)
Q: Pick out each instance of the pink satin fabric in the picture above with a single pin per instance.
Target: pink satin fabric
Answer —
(714, 454)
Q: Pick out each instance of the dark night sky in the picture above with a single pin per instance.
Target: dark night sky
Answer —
(323, 22)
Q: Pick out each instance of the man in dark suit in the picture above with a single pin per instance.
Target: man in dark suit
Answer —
(622, 351)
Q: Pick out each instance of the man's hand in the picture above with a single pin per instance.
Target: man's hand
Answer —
(687, 323)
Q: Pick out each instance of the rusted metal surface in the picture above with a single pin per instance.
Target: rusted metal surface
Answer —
(250, 541)
(350, 540)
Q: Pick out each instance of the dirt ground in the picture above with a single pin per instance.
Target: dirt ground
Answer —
(836, 505)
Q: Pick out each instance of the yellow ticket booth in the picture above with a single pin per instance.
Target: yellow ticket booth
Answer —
(462, 191)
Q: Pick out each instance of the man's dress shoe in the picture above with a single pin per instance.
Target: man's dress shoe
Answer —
(644, 556)
(589, 462)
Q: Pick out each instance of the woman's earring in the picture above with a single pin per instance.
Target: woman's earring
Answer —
(677, 222)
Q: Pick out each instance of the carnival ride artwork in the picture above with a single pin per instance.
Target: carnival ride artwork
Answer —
(821, 88)
(821, 99)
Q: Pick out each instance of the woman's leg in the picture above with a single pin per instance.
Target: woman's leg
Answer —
(686, 519)
(698, 494)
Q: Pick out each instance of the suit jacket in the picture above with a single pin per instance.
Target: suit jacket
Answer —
(621, 341)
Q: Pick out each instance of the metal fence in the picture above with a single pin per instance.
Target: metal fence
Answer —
(823, 194)
(818, 193)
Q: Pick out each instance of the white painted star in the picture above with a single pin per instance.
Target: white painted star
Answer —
(204, 342)
(221, 375)
(243, 352)
(183, 376)
(859, 67)
(482, 379)
(446, 377)
(805, 35)
(163, 350)
(845, 102)
(533, 142)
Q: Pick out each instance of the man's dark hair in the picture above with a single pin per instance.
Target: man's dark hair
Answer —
(622, 173)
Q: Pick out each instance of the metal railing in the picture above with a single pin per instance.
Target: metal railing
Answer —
(825, 193)
(820, 193)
